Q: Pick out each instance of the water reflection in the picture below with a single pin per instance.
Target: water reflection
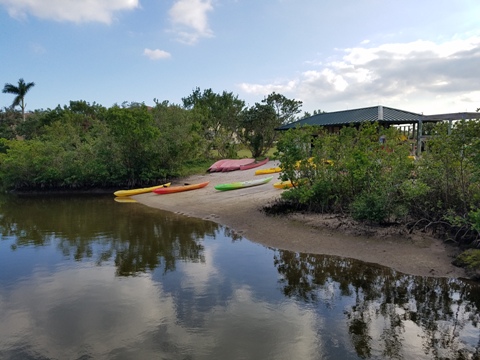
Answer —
(392, 312)
(139, 238)
(87, 277)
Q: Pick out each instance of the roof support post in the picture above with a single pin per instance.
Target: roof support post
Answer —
(419, 137)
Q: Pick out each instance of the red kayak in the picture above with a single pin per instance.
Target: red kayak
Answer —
(254, 164)
(232, 165)
(217, 166)
(229, 165)
(175, 189)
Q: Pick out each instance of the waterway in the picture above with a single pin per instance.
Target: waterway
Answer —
(85, 277)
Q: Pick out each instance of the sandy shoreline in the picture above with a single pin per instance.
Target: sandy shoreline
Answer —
(240, 210)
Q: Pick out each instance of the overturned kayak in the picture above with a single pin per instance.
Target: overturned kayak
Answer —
(176, 189)
(217, 166)
(254, 164)
(242, 184)
(229, 165)
(139, 190)
(232, 165)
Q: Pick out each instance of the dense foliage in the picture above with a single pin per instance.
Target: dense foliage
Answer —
(352, 172)
(87, 145)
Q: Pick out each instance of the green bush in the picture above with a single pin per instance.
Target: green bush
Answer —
(370, 206)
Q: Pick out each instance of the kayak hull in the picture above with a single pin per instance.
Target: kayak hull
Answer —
(242, 184)
(139, 190)
(268, 171)
(254, 164)
(288, 184)
(225, 165)
(176, 189)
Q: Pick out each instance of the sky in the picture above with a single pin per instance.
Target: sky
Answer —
(415, 55)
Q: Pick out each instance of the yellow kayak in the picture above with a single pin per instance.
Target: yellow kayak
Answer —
(288, 184)
(283, 184)
(139, 190)
(268, 171)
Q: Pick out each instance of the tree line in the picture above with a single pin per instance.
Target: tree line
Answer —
(85, 145)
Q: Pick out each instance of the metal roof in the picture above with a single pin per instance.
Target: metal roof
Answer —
(382, 114)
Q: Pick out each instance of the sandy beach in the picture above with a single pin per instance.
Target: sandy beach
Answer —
(240, 210)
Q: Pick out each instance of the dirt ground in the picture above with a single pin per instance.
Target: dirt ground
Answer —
(240, 210)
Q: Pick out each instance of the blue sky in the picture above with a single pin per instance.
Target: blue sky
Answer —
(421, 56)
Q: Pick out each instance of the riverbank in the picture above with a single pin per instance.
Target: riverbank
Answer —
(241, 210)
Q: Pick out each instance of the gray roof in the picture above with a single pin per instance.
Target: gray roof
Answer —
(382, 114)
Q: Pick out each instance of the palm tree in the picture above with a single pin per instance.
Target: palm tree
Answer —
(20, 91)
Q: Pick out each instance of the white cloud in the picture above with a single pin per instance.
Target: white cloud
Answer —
(189, 19)
(69, 10)
(431, 77)
(258, 89)
(156, 54)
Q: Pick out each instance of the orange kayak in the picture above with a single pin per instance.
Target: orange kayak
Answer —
(175, 189)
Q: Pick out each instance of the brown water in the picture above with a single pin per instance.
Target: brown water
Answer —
(86, 277)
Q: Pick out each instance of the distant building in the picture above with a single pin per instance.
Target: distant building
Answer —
(409, 122)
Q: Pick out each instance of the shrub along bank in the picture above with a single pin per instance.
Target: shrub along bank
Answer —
(89, 146)
(354, 173)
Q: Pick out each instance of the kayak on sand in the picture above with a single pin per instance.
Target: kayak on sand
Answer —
(242, 184)
(268, 171)
(139, 190)
(229, 165)
(254, 164)
(176, 189)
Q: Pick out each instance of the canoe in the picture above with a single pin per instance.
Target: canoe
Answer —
(232, 165)
(176, 189)
(254, 164)
(242, 184)
(268, 171)
(216, 166)
(139, 190)
(229, 164)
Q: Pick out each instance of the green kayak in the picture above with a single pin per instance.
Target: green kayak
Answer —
(243, 184)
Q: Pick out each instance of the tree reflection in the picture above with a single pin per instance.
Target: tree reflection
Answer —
(387, 303)
(135, 237)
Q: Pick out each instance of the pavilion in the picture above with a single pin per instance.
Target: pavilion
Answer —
(409, 122)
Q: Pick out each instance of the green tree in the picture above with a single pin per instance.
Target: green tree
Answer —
(307, 114)
(135, 135)
(285, 109)
(258, 132)
(180, 139)
(19, 91)
(219, 115)
(7, 123)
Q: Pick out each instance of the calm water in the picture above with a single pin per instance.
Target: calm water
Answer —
(90, 278)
